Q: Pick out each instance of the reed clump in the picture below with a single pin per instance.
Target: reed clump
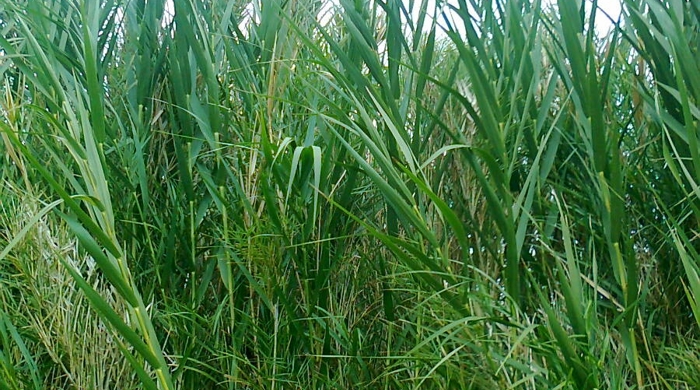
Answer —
(353, 194)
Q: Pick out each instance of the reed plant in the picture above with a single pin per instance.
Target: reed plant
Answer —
(388, 194)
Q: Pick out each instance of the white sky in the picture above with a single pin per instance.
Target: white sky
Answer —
(603, 23)
(612, 8)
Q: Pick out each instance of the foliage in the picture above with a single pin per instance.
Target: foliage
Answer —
(354, 194)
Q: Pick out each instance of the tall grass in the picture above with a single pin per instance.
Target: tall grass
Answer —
(353, 194)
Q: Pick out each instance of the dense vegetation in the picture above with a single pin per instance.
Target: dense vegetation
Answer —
(312, 194)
